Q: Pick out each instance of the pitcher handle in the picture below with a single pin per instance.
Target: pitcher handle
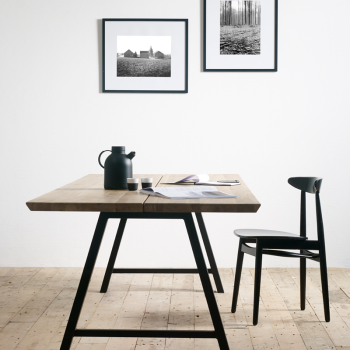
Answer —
(99, 157)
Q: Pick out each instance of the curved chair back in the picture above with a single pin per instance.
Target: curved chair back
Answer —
(306, 184)
(310, 185)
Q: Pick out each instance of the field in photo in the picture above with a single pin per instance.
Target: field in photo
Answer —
(240, 40)
(143, 67)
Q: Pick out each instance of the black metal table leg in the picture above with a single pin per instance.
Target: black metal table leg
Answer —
(84, 281)
(239, 265)
(210, 253)
(71, 330)
(112, 258)
(207, 287)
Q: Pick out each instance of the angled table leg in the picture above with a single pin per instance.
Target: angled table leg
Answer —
(113, 256)
(84, 281)
(71, 330)
(210, 253)
(207, 287)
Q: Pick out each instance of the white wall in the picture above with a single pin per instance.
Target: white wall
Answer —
(264, 126)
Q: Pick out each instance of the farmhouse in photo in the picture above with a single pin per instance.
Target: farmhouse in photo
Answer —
(134, 61)
(128, 53)
(159, 54)
(144, 54)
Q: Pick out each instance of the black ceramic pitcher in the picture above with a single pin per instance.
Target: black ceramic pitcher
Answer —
(118, 167)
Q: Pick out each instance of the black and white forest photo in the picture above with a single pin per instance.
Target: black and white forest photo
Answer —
(144, 56)
(240, 27)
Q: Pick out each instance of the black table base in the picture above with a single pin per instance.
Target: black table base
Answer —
(111, 263)
(218, 333)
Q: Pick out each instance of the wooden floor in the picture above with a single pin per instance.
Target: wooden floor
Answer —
(35, 304)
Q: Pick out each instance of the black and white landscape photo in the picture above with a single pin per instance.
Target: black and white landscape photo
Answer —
(144, 56)
(240, 27)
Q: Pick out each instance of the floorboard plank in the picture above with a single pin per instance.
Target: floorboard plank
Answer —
(342, 279)
(157, 312)
(286, 331)
(337, 329)
(132, 311)
(310, 328)
(182, 311)
(262, 335)
(45, 328)
(12, 334)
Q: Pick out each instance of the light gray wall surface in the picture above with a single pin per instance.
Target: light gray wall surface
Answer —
(265, 126)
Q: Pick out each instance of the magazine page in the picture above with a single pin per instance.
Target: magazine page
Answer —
(218, 183)
(188, 192)
(202, 179)
(195, 178)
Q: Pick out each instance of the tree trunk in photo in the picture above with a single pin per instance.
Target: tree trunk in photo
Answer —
(242, 12)
(225, 14)
(238, 14)
(228, 13)
(254, 13)
(248, 3)
(249, 12)
(221, 13)
(260, 14)
(233, 14)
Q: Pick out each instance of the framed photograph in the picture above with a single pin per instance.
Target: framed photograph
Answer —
(145, 55)
(240, 36)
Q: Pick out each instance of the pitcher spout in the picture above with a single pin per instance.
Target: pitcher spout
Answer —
(131, 155)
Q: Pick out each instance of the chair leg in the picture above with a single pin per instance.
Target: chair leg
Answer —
(238, 274)
(324, 282)
(257, 281)
(302, 282)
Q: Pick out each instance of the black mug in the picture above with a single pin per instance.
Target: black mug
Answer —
(133, 183)
(146, 182)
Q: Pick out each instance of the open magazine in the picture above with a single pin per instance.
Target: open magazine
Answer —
(188, 192)
(202, 179)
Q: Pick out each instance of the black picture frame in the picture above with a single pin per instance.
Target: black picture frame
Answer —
(104, 20)
(240, 70)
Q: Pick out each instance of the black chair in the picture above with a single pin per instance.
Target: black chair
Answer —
(268, 241)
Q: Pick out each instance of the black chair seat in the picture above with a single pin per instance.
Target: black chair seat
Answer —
(266, 234)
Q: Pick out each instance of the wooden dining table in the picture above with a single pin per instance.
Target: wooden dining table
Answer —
(88, 195)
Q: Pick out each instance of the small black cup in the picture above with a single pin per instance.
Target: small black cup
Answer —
(133, 184)
(146, 182)
(133, 187)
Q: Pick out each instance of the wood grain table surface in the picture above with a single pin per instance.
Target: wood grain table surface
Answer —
(88, 194)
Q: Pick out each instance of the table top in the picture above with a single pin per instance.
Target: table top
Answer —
(88, 194)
